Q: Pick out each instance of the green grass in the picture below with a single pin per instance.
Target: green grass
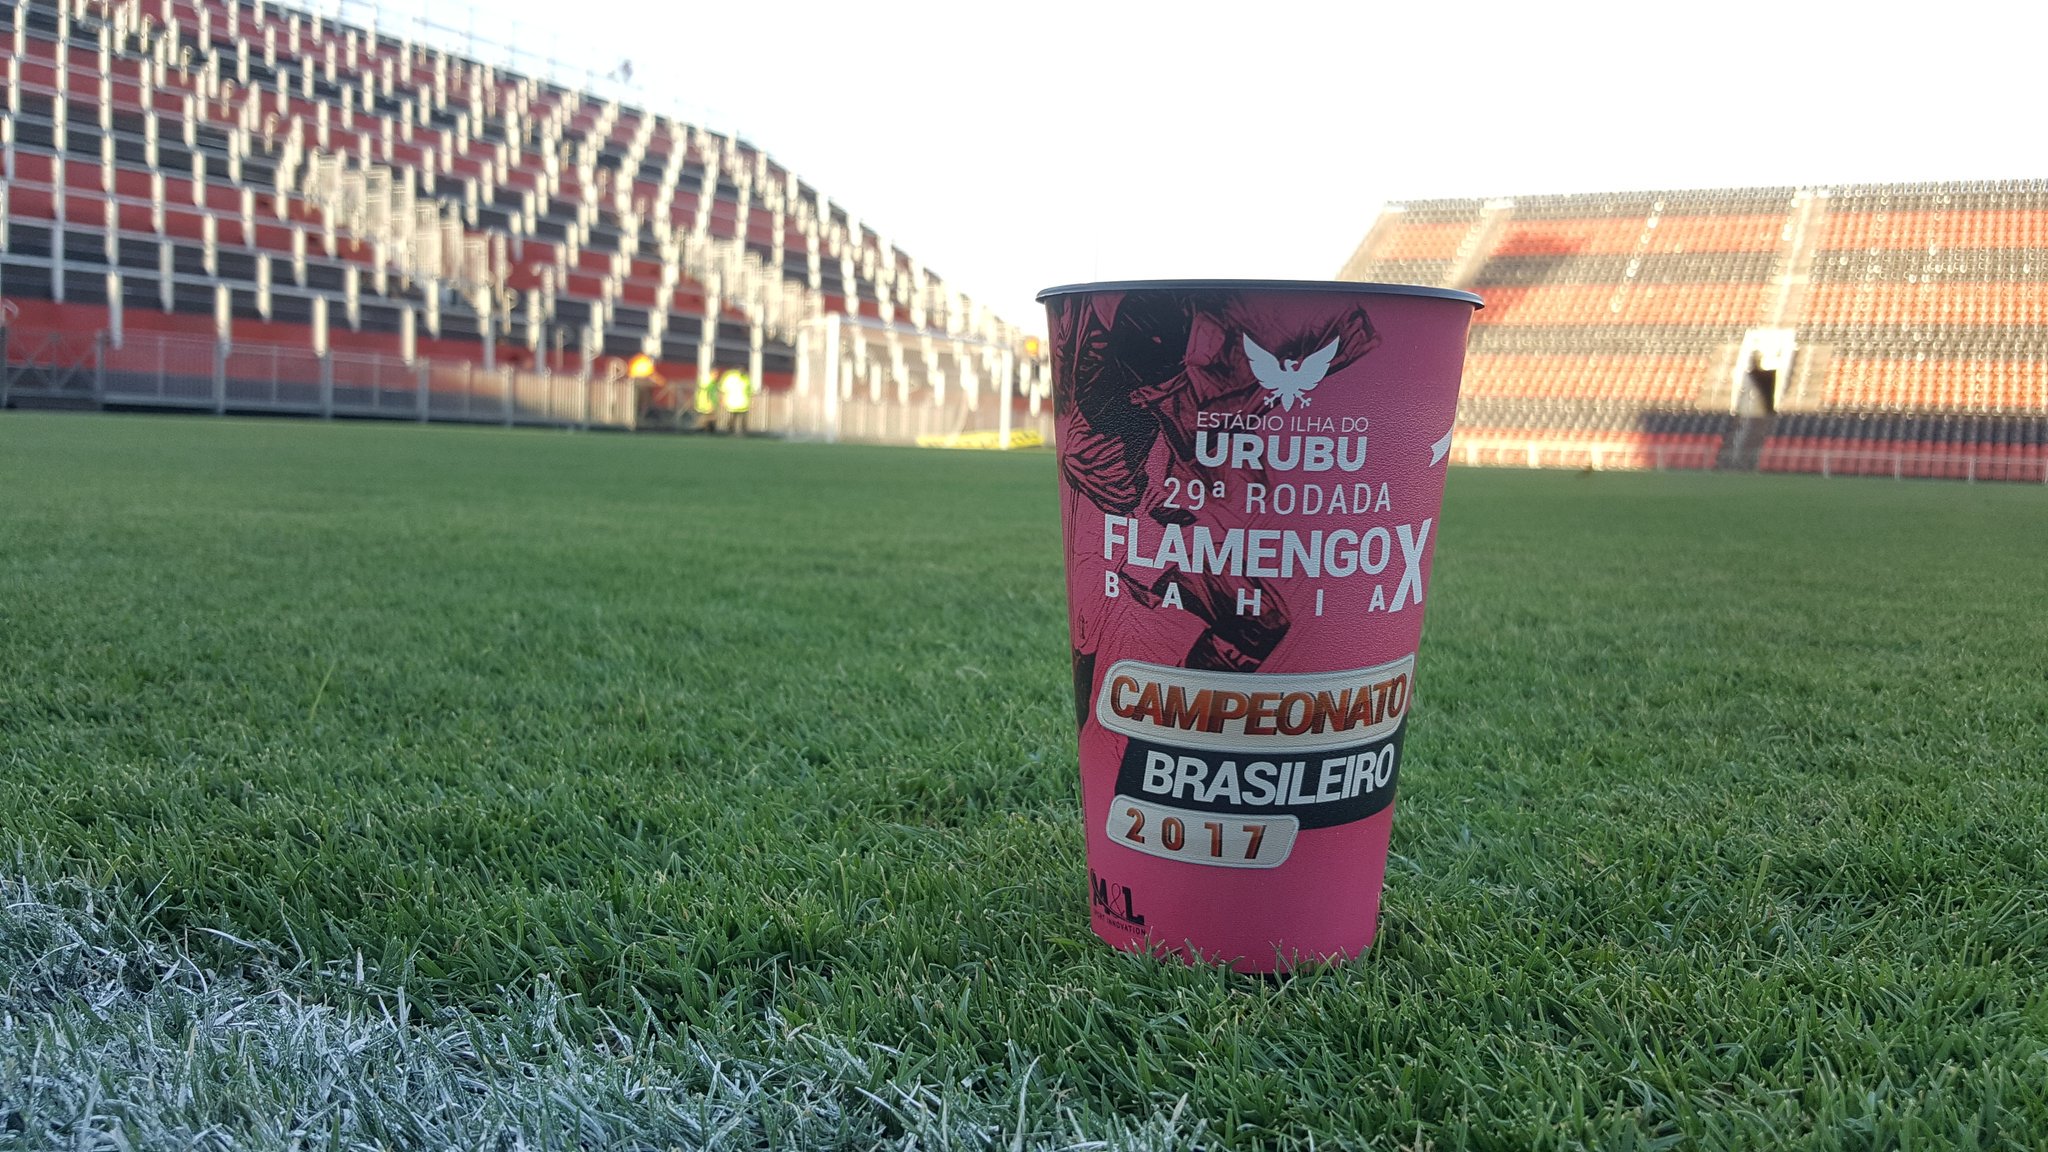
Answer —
(1726, 823)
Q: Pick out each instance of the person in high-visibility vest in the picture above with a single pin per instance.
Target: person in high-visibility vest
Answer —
(737, 393)
(707, 403)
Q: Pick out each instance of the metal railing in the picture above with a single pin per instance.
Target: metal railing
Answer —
(1966, 464)
(861, 379)
(1611, 456)
(158, 370)
(1969, 464)
(485, 34)
(923, 417)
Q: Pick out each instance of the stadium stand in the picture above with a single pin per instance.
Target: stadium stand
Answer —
(1876, 329)
(242, 206)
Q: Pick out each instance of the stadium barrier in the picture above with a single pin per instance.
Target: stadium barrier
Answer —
(1903, 464)
(918, 418)
(155, 370)
(1618, 456)
(1608, 456)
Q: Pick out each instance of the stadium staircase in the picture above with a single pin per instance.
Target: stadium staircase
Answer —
(260, 208)
(1894, 329)
(1744, 444)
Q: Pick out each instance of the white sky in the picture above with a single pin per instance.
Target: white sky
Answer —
(1012, 146)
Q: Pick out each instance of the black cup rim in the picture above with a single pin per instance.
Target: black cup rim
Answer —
(1351, 286)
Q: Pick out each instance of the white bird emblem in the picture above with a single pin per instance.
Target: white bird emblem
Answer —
(1293, 380)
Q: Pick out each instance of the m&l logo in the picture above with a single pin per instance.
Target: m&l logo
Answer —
(1114, 900)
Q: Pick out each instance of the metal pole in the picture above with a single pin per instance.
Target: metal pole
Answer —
(832, 339)
(1005, 368)
(223, 333)
(757, 337)
(420, 371)
(327, 387)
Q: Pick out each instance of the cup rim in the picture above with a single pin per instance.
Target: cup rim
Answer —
(1357, 287)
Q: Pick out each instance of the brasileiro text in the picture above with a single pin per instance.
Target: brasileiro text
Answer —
(1269, 783)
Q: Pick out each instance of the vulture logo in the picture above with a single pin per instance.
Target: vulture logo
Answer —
(1290, 381)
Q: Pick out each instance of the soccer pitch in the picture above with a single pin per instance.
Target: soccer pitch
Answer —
(1724, 823)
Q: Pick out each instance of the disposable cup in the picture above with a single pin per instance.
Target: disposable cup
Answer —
(1251, 474)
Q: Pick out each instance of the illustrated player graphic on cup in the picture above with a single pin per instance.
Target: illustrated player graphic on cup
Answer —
(1133, 374)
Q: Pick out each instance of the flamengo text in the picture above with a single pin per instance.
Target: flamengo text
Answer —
(1273, 552)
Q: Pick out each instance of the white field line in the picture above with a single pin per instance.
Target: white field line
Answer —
(112, 1038)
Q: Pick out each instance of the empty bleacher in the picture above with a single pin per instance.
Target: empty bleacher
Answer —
(256, 207)
(1810, 329)
(1582, 434)
(1947, 445)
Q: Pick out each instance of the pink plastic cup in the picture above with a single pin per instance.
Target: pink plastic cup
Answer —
(1250, 480)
